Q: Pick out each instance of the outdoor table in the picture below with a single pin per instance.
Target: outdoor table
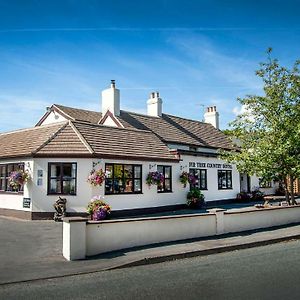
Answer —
(273, 198)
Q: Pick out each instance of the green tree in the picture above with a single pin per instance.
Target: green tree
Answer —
(269, 129)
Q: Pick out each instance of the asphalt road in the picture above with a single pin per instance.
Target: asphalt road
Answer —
(269, 272)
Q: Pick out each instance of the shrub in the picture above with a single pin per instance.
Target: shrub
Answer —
(195, 198)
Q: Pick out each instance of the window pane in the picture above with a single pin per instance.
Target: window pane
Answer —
(128, 186)
(55, 170)
(167, 172)
(118, 171)
(127, 171)
(137, 171)
(69, 186)
(137, 185)
(108, 186)
(167, 184)
(118, 185)
(2, 184)
(2, 171)
(10, 168)
(108, 171)
(67, 170)
(55, 186)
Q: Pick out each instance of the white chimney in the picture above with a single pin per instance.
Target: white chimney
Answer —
(211, 116)
(154, 105)
(111, 100)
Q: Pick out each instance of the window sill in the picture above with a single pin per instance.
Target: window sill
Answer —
(53, 194)
(128, 193)
(10, 192)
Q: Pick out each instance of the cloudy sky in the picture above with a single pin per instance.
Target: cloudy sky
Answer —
(196, 53)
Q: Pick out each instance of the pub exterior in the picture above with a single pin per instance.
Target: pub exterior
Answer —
(67, 143)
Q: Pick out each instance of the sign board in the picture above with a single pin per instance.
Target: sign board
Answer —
(26, 202)
(209, 165)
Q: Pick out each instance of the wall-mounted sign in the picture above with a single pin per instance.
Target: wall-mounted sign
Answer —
(40, 177)
(26, 202)
(209, 165)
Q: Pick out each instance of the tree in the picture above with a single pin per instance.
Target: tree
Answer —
(269, 129)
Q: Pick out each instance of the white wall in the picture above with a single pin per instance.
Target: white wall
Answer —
(212, 192)
(44, 203)
(82, 238)
(120, 234)
(53, 118)
(41, 202)
(260, 218)
(12, 200)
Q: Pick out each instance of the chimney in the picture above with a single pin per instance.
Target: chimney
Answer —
(154, 105)
(211, 116)
(111, 99)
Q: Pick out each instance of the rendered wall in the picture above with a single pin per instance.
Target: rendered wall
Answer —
(114, 235)
(12, 200)
(84, 238)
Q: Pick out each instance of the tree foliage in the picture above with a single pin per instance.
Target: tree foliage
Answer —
(269, 129)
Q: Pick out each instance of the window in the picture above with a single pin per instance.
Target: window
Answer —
(264, 184)
(62, 178)
(224, 179)
(201, 178)
(123, 179)
(167, 184)
(5, 171)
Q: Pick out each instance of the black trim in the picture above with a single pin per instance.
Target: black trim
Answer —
(133, 178)
(61, 178)
(228, 178)
(199, 179)
(15, 167)
(164, 184)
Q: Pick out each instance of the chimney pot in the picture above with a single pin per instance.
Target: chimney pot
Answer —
(154, 105)
(212, 116)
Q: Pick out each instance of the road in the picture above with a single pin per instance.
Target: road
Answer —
(269, 272)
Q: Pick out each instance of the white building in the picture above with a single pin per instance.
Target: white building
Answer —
(67, 143)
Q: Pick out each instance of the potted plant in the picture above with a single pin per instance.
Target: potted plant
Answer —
(257, 195)
(155, 178)
(186, 177)
(98, 209)
(17, 178)
(243, 197)
(96, 177)
(195, 198)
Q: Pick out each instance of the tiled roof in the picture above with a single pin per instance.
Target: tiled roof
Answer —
(80, 114)
(66, 142)
(81, 139)
(26, 141)
(126, 143)
(170, 129)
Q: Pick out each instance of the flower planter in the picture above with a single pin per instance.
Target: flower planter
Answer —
(99, 215)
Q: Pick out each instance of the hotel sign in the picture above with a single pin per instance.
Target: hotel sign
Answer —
(209, 165)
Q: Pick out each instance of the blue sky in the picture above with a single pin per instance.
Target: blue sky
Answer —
(194, 53)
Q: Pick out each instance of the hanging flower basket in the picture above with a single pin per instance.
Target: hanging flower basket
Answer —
(98, 209)
(96, 177)
(17, 178)
(186, 178)
(156, 178)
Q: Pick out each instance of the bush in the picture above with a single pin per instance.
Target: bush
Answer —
(195, 198)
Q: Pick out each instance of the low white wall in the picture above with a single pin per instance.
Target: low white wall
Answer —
(260, 218)
(119, 234)
(82, 238)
